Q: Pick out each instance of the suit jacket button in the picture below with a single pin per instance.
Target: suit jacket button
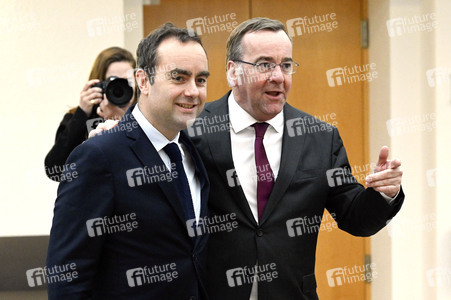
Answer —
(259, 232)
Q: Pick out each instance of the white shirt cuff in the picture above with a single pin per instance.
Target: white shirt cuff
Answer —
(389, 199)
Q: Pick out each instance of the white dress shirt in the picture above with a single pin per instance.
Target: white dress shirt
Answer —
(242, 137)
(159, 141)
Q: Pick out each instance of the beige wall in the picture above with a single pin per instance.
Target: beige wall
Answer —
(418, 241)
(48, 49)
(443, 146)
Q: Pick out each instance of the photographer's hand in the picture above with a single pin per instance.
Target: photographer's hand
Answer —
(90, 96)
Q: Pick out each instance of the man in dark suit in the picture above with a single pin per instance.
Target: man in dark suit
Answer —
(276, 180)
(119, 229)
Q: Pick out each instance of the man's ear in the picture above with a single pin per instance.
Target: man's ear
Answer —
(143, 81)
(233, 74)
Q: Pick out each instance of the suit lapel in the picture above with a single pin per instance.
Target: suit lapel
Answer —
(221, 149)
(201, 175)
(200, 171)
(149, 157)
(292, 147)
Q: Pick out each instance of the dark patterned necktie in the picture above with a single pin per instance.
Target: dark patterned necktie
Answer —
(265, 176)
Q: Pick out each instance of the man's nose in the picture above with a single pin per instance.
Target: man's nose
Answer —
(191, 89)
(276, 74)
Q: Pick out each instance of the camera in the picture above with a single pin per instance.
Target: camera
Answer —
(117, 90)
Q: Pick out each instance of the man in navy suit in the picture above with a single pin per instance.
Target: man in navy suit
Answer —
(121, 229)
(276, 169)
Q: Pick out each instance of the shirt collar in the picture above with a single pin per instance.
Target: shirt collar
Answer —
(241, 119)
(158, 140)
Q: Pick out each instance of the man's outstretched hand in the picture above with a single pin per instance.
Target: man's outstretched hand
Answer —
(108, 124)
(387, 176)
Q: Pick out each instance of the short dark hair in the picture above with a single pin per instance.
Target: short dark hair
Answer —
(234, 49)
(147, 48)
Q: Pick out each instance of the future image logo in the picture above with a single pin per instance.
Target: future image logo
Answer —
(232, 178)
(158, 173)
(309, 25)
(438, 176)
(240, 276)
(66, 172)
(307, 125)
(212, 224)
(349, 275)
(411, 124)
(313, 224)
(54, 274)
(135, 177)
(35, 277)
(92, 124)
(208, 125)
(109, 225)
(402, 227)
(349, 75)
(208, 25)
(135, 277)
(438, 76)
(51, 75)
(407, 25)
(149, 275)
(107, 25)
(339, 176)
(439, 277)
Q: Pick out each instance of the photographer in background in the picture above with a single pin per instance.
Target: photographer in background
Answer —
(94, 104)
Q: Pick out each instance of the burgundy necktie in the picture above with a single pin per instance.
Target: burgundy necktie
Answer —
(265, 177)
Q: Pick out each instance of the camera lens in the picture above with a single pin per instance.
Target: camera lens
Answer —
(118, 91)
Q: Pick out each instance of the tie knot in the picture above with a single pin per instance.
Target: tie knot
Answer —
(173, 151)
(260, 129)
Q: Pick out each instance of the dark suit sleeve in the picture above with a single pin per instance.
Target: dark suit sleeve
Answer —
(71, 132)
(358, 211)
(88, 196)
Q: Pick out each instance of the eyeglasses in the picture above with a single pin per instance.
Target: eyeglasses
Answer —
(287, 68)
